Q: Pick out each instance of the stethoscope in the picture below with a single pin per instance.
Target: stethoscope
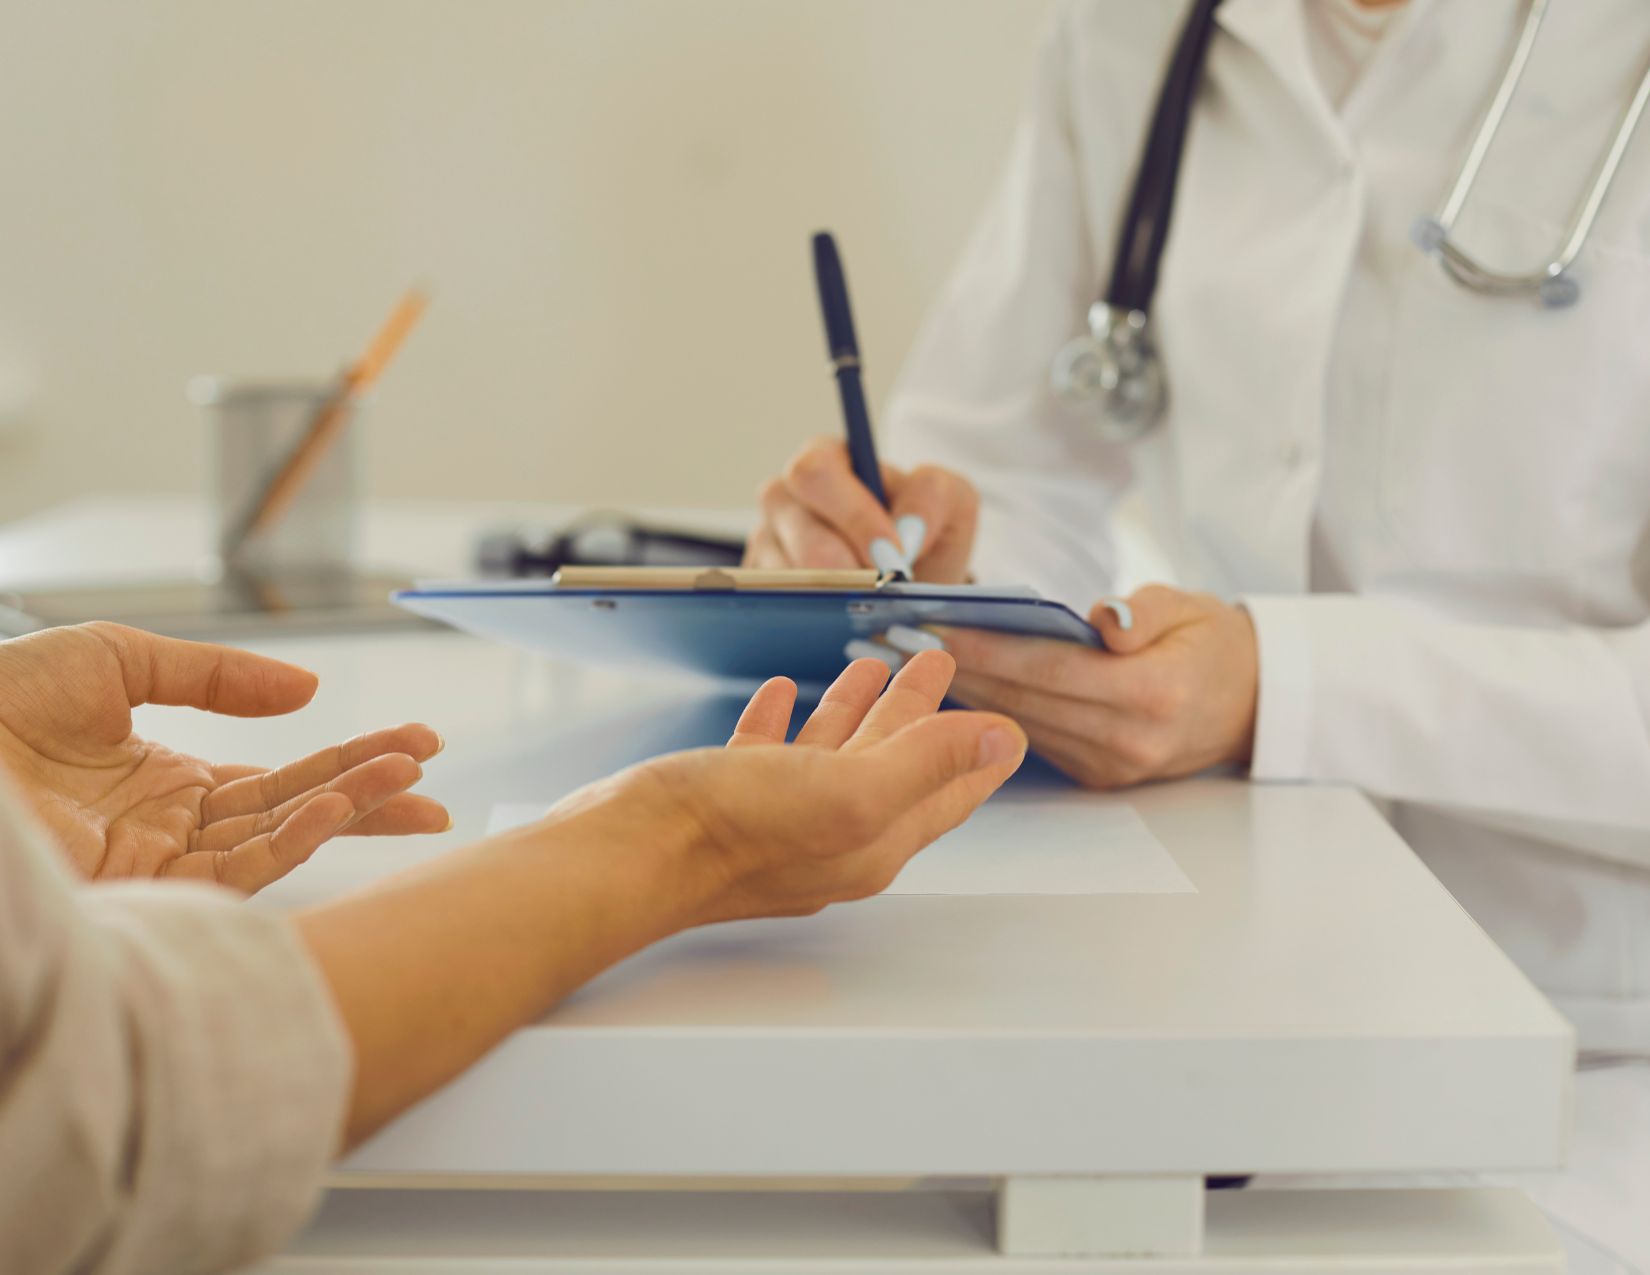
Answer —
(1116, 365)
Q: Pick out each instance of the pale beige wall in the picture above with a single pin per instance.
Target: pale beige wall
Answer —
(609, 199)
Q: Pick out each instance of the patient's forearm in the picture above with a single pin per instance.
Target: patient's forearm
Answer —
(434, 967)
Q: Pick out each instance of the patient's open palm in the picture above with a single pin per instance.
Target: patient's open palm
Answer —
(122, 806)
(873, 776)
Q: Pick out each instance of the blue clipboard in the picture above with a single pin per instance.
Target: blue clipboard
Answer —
(743, 634)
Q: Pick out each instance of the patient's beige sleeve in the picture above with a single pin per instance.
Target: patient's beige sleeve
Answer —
(173, 1074)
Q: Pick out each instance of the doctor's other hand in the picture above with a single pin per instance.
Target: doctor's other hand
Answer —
(122, 806)
(1174, 694)
(817, 514)
(775, 829)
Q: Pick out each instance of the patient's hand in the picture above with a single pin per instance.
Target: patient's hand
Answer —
(770, 829)
(124, 807)
(433, 968)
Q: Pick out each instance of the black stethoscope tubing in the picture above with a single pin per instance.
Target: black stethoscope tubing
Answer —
(1145, 226)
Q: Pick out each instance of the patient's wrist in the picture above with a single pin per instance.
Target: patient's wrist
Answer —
(633, 853)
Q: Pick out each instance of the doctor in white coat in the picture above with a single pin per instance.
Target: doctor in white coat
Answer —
(1421, 514)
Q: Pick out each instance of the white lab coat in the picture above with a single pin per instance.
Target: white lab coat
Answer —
(1436, 505)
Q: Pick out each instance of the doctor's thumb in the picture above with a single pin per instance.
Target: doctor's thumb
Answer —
(1133, 623)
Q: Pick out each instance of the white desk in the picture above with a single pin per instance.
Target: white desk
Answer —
(1318, 1005)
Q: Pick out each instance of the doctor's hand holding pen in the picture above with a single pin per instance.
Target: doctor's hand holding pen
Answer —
(1174, 692)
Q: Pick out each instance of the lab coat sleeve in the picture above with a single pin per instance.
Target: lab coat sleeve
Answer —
(974, 394)
(173, 1074)
(1532, 723)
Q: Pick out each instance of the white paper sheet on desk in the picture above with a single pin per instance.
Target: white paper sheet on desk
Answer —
(1050, 845)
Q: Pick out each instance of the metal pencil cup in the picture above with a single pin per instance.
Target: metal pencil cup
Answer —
(252, 429)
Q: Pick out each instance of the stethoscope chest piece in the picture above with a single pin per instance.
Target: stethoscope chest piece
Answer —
(1115, 367)
(1114, 371)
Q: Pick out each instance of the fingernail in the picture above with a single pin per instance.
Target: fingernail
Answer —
(449, 826)
(1121, 612)
(440, 744)
(860, 649)
(996, 747)
(888, 559)
(913, 531)
(343, 821)
(904, 638)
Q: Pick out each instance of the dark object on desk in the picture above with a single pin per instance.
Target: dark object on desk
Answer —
(239, 606)
(842, 347)
(603, 540)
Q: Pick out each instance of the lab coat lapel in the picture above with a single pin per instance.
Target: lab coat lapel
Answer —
(1261, 342)
(1275, 30)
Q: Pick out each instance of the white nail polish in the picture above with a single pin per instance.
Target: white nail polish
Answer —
(913, 533)
(1121, 610)
(862, 649)
(904, 638)
(888, 559)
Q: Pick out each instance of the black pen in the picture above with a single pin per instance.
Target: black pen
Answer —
(843, 349)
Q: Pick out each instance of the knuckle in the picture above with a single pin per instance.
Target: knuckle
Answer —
(949, 490)
(1155, 698)
(762, 550)
(114, 638)
(942, 479)
(828, 552)
(818, 546)
(1142, 754)
(771, 494)
(1110, 779)
(1169, 700)
(879, 879)
(353, 751)
(1124, 772)
(860, 816)
(814, 464)
(859, 883)
(1093, 775)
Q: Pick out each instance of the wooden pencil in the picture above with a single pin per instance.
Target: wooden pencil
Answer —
(331, 417)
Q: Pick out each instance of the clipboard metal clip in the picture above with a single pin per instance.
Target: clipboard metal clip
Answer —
(723, 580)
(720, 579)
